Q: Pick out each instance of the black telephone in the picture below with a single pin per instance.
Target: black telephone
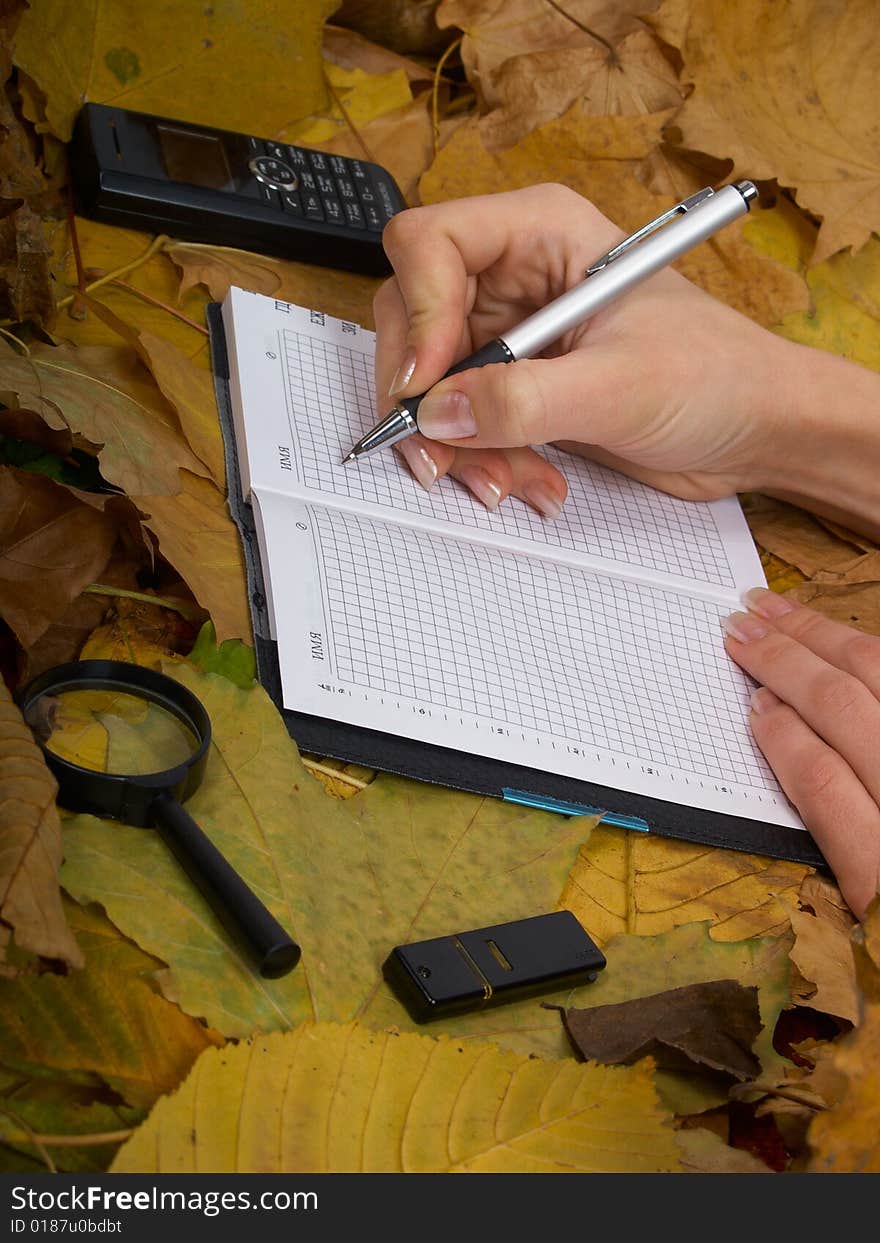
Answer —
(209, 185)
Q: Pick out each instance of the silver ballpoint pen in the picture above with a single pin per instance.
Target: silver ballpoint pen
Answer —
(654, 246)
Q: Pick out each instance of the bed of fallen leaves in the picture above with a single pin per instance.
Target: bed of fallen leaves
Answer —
(737, 1026)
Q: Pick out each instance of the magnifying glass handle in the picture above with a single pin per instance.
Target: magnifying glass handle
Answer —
(235, 904)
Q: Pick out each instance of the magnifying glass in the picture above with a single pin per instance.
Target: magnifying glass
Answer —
(131, 744)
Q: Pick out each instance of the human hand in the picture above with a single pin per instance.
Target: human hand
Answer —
(816, 717)
(667, 384)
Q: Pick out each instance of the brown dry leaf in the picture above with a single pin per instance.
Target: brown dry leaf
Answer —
(530, 61)
(347, 1099)
(600, 157)
(407, 26)
(844, 1138)
(107, 396)
(30, 846)
(54, 541)
(178, 60)
(629, 882)
(217, 267)
(199, 538)
(188, 388)
(496, 30)
(787, 91)
(703, 1152)
(796, 536)
(350, 50)
(708, 1026)
(822, 951)
(854, 604)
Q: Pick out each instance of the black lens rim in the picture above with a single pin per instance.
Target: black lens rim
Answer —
(122, 796)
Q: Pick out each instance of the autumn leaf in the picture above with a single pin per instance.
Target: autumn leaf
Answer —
(52, 545)
(346, 1099)
(270, 51)
(822, 950)
(349, 880)
(30, 845)
(341, 294)
(787, 92)
(106, 396)
(530, 61)
(108, 1024)
(198, 537)
(600, 157)
(145, 295)
(843, 1139)
(708, 1026)
(626, 882)
(640, 966)
(703, 1152)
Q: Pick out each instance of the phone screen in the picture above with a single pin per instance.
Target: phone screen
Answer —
(198, 159)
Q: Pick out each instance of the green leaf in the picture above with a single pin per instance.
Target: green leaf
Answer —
(232, 659)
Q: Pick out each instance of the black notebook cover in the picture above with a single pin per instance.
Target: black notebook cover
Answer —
(457, 769)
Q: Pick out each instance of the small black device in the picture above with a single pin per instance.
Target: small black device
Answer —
(490, 966)
(208, 185)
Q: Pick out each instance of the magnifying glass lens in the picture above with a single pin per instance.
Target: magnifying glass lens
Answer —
(111, 731)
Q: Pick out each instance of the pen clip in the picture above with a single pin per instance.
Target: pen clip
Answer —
(685, 205)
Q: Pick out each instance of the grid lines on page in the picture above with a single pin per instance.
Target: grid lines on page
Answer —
(536, 645)
(607, 514)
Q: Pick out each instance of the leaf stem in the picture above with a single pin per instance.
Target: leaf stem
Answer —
(27, 1136)
(12, 337)
(163, 306)
(77, 310)
(314, 766)
(189, 611)
(435, 90)
(157, 244)
(345, 116)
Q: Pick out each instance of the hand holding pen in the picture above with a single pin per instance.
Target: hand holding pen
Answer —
(640, 385)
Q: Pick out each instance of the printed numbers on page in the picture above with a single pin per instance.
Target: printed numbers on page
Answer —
(334, 690)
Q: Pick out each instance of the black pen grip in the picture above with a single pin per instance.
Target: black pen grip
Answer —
(235, 904)
(492, 352)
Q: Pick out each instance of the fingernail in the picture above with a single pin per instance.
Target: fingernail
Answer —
(543, 498)
(743, 627)
(446, 416)
(763, 700)
(483, 486)
(767, 603)
(403, 374)
(420, 462)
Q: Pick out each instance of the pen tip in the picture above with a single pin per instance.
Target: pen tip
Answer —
(349, 458)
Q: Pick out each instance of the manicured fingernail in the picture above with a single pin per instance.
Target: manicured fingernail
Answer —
(403, 374)
(544, 499)
(446, 416)
(744, 627)
(483, 486)
(767, 603)
(763, 700)
(420, 462)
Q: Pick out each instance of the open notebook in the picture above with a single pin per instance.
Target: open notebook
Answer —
(577, 661)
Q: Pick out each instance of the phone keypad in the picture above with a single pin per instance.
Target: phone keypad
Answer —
(321, 187)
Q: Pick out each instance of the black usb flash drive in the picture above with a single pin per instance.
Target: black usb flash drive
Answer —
(490, 966)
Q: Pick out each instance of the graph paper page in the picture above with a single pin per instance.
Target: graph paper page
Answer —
(515, 658)
(305, 382)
